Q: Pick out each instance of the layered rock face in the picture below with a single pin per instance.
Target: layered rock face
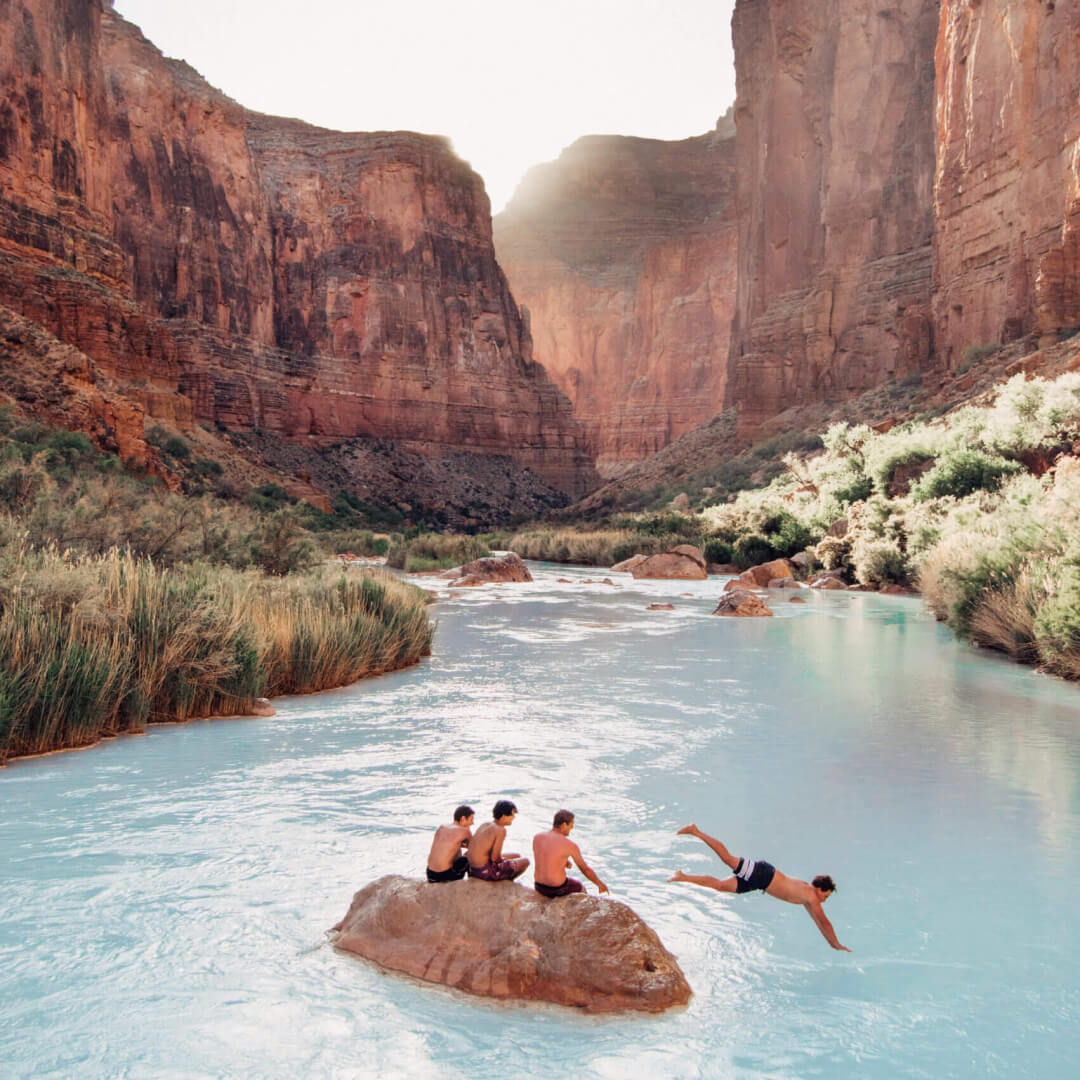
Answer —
(500, 940)
(253, 272)
(623, 252)
(835, 165)
(1007, 196)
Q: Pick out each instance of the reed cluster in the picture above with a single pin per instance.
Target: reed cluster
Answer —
(435, 551)
(596, 547)
(97, 645)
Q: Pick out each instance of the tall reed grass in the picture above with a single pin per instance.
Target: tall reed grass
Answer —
(599, 547)
(92, 646)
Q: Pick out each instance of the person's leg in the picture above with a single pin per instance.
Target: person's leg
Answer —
(725, 856)
(730, 884)
(520, 866)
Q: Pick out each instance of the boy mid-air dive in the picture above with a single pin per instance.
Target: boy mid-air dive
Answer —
(751, 875)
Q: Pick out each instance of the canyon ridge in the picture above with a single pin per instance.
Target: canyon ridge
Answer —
(893, 198)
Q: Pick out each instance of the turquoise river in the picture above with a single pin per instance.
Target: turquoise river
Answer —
(163, 900)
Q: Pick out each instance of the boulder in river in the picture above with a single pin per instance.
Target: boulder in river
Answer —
(508, 567)
(758, 577)
(684, 563)
(627, 565)
(502, 940)
(743, 604)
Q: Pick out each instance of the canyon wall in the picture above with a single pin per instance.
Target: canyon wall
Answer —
(835, 162)
(623, 253)
(258, 273)
(1007, 196)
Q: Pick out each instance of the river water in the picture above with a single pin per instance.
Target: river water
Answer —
(164, 898)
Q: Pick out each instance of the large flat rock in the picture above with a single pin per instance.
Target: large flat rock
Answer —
(503, 940)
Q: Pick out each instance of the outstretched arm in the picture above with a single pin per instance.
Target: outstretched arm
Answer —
(821, 920)
(584, 867)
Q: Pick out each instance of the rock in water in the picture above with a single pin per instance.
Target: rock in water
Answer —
(508, 567)
(502, 940)
(743, 604)
(675, 564)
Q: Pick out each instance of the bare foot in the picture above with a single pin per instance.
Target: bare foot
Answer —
(688, 830)
(678, 876)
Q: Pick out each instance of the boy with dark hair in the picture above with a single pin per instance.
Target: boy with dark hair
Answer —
(553, 851)
(444, 863)
(486, 858)
(753, 875)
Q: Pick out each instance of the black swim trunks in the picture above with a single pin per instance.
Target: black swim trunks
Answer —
(753, 874)
(454, 873)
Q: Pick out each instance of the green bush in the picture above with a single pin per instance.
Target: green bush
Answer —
(961, 472)
(861, 487)
(719, 551)
(880, 562)
(787, 536)
(752, 550)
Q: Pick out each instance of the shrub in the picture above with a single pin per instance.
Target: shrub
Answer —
(961, 472)
(861, 487)
(834, 552)
(880, 562)
(751, 550)
(788, 536)
(719, 551)
(282, 546)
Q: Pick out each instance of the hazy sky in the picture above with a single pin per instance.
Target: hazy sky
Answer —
(511, 82)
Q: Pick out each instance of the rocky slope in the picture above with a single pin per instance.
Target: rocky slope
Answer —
(835, 165)
(1007, 191)
(254, 273)
(623, 252)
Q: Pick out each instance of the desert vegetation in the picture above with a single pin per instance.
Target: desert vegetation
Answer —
(979, 509)
(123, 604)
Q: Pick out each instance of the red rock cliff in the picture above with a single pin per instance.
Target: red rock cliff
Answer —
(1007, 196)
(835, 164)
(255, 272)
(623, 252)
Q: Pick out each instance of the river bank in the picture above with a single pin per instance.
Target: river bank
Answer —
(95, 646)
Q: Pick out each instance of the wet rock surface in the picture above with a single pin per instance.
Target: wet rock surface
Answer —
(503, 940)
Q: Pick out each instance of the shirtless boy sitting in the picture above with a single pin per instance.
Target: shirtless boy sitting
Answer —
(553, 851)
(444, 863)
(752, 875)
(487, 861)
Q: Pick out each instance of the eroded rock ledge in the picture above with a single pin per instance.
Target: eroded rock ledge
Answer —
(505, 941)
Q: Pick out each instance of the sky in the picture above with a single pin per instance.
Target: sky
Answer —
(511, 82)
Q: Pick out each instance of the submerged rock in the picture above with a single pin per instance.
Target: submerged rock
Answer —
(508, 567)
(502, 940)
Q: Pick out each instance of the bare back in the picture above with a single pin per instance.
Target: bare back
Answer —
(486, 844)
(793, 890)
(448, 841)
(551, 852)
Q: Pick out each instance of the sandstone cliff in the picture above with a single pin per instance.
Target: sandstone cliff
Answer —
(623, 252)
(257, 273)
(835, 163)
(1007, 193)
